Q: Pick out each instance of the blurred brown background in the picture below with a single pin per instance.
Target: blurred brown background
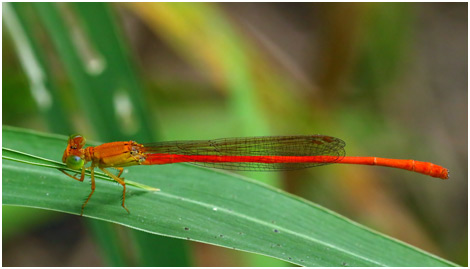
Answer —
(388, 78)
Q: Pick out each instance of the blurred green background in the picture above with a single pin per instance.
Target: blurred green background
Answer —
(388, 78)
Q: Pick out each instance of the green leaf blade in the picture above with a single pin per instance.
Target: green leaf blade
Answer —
(208, 206)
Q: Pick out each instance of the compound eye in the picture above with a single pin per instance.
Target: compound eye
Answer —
(77, 141)
(74, 162)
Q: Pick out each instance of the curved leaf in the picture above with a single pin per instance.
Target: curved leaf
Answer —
(207, 206)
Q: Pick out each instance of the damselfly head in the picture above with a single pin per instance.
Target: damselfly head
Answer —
(76, 141)
(74, 150)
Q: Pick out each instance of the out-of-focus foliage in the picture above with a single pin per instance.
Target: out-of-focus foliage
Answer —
(388, 78)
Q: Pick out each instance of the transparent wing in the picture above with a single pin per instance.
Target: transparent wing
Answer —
(282, 146)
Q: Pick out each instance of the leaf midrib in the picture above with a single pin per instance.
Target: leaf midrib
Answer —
(268, 224)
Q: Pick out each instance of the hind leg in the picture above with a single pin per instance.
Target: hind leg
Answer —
(120, 181)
